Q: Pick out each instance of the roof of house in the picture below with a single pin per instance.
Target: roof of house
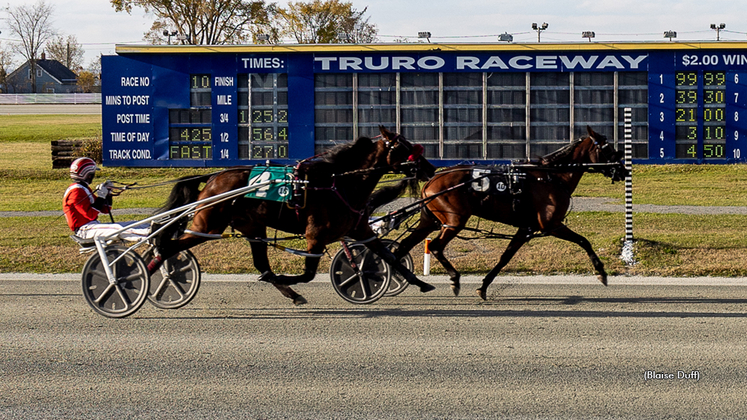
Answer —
(57, 70)
(54, 68)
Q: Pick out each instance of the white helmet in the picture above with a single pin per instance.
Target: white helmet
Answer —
(82, 168)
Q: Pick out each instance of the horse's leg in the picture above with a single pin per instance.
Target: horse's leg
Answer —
(208, 221)
(563, 232)
(262, 264)
(310, 265)
(426, 225)
(521, 237)
(168, 248)
(378, 248)
(437, 247)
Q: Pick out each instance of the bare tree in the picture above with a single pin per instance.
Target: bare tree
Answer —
(200, 22)
(6, 60)
(33, 26)
(328, 21)
(67, 51)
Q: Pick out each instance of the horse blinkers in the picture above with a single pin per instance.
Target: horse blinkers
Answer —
(606, 153)
(399, 150)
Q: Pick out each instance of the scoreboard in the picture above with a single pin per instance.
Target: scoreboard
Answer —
(221, 106)
(697, 107)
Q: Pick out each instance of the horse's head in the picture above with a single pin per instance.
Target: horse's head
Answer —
(404, 157)
(599, 150)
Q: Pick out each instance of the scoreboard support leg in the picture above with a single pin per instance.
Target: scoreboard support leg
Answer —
(628, 255)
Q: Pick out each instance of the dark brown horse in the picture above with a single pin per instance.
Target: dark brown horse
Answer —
(539, 208)
(340, 183)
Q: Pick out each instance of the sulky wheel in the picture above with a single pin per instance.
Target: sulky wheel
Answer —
(365, 280)
(398, 284)
(176, 282)
(127, 294)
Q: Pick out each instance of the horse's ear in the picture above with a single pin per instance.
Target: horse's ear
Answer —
(590, 131)
(385, 133)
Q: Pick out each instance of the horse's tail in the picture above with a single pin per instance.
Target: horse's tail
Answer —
(390, 193)
(186, 191)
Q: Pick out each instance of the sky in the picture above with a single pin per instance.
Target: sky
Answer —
(99, 28)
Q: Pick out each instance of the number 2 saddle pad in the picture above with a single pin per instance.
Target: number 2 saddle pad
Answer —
(280, 190)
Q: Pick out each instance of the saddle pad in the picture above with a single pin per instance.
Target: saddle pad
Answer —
(278, 191)
(490, 181)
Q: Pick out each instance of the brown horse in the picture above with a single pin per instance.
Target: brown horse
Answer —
(340, 183)
(539, 208)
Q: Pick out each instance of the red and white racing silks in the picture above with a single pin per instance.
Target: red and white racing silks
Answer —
(78, 205)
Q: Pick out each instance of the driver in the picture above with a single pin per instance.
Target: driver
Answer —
(82, 205)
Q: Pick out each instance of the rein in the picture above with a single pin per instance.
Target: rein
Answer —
(135, 186)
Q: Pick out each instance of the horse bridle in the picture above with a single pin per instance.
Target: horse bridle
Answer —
(605, 153)
(393, 144)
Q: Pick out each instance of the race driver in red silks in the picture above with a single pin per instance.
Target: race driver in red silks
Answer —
(82, 206)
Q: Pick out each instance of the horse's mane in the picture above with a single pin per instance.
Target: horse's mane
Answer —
(345, 154)
(560, 154)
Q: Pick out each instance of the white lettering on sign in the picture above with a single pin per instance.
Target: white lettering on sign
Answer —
(547, 62)
(399, 63)
(135, 100)
(124, 118)
(224, 100)
(129, 154)
(139, 137)
(113, 100)
(734, 59)
(118, 137)
(134, 81)
(224, 81)
(502, 62)
(263, 63)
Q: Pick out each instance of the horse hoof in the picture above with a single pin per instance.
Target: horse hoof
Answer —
(268, 276)
(482, 294)
(603, 279)
(299, 300)
(456, 289)
(425, 288)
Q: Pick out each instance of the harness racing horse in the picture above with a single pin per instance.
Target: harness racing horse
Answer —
(339, 183)
(540, 208)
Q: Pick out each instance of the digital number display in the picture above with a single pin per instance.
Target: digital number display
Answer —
(700, 115)
(263, 116)
(184, 151)
(190, 130)
(714, 115)
(200, 90)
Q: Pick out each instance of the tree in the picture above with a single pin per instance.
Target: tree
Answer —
(200, 22)
(328, 21)
(86, 81)
(33, 25)
(67, 51)
(90, 77)
(6, 60)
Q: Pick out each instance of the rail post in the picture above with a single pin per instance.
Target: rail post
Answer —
(427, 259)
(628, 255)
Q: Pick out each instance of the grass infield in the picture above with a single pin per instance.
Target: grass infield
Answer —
(666, 244)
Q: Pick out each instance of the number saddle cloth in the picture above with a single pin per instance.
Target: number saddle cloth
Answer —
(498, 180)
(282, 189)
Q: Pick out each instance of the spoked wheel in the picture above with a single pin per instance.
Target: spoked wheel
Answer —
(176, 282)
(398, 284)
(365, 279)
(127, 294)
